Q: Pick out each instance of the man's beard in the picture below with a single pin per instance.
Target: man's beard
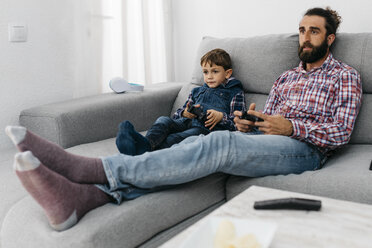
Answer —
(316, 54)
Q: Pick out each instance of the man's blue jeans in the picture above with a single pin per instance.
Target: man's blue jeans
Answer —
(166, 132)
(233, 153)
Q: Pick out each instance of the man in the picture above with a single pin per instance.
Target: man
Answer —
(310, 111)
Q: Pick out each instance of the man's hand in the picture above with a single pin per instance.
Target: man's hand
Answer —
(275, 124)
(213, 118)
(241, 124)
(187, 114)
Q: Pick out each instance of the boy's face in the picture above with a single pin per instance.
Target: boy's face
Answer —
(215, 75)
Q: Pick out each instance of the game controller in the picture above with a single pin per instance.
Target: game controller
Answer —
(198, 111)
(250, 117)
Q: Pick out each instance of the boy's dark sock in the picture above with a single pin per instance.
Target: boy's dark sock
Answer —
(130, 141)
(124, 140)
(142, 143)
(74, 167)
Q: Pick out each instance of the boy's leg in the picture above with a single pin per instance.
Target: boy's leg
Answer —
(76, 168)
(175, 138)
(63, 201)
(164, 127)
(221, 151)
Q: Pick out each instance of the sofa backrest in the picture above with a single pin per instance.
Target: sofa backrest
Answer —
(258, 62)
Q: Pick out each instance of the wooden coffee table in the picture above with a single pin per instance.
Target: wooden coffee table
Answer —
(337, 224)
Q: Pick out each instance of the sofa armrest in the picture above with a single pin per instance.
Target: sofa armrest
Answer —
(94, 118)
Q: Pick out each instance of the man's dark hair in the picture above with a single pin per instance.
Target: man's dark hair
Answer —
(333, 19)
(218, 57)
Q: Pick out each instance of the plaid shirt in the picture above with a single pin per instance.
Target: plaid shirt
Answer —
(322, 104)
(237, 103)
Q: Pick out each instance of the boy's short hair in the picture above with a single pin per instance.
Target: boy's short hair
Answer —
(218, 57)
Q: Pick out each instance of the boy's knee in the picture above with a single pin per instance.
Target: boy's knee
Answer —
(163, 119)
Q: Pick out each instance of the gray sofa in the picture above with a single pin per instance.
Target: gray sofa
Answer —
(88, 126)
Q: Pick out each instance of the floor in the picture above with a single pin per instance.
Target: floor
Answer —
(7, 155)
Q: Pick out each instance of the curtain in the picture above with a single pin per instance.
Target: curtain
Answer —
(137, 41)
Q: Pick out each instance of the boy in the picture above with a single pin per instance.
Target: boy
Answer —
(215, 101)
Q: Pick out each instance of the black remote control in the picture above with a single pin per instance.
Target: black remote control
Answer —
(249, 117)
(289, 203)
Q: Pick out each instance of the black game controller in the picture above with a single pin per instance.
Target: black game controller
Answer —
(198, 111)
(249, 117)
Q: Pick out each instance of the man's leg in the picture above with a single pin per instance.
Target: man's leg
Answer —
(197, 156)
(222, 151)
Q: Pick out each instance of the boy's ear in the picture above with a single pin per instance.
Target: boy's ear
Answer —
(228, 73)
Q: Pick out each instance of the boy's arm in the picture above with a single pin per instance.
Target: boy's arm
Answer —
(178, 113)
(237, 104)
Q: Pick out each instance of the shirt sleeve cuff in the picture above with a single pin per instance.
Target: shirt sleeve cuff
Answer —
(224, 118)
(299, 129)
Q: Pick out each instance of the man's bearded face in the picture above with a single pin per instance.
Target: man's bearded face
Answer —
(317, 52)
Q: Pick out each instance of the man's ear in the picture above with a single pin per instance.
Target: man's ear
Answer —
(330, 39)
(228, 73)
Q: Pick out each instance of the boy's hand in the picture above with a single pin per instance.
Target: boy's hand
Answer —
(187, 114)
(213, 117)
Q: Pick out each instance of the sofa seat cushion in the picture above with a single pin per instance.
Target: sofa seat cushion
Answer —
(127, 225)
(345, 176)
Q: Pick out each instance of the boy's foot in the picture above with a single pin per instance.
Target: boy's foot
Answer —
(137, 144)
(130, 141)
(63, 201)
(76, 168)
(124, 140)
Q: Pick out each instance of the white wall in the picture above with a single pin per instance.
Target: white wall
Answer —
(194, 19)
(49, 66)
(62, 58)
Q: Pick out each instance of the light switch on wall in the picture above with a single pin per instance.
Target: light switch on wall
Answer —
(17, 32)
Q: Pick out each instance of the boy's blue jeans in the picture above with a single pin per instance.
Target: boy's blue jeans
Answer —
(232, 153)
(166, 132)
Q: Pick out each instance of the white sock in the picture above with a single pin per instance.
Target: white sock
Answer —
(16, 133)
(25, 161)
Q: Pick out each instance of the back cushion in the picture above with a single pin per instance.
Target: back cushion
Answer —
(259, 61)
